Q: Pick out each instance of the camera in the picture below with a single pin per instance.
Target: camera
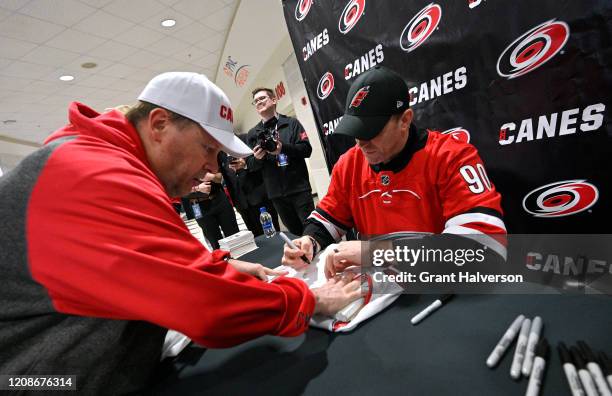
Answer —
(215, 188)
(266, 140)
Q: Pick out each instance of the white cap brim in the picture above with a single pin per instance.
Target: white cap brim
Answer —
(230, 142)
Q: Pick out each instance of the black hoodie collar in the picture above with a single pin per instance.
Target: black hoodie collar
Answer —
(416, 141)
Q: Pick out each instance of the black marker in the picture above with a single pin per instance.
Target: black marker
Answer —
(583, 373)
(570, 370)
(539, 366)
(594, 369)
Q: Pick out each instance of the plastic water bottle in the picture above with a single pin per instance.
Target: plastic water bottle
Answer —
(266, 222)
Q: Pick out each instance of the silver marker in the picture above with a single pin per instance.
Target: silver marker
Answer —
(606, 364)
(505, 341)
(432, 307)
(519, 352)
(534, 337)
(292, 246)
(583, 373)
(570, 370)
(594, 369)
(539, 366)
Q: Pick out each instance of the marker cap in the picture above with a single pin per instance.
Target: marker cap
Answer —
(542, 349)
(564, 353)
(577, 357)
(605, 362)
(586, 351)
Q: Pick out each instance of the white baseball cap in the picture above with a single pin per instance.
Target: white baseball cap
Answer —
(194, 96)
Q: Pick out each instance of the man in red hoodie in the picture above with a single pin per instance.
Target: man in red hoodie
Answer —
(96, 264)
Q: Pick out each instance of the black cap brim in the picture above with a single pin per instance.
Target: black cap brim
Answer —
(363, 128)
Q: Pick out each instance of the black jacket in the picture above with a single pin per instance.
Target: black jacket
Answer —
(246, 187)
(281, 181)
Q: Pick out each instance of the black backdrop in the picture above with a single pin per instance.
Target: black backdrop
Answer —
(528, 82)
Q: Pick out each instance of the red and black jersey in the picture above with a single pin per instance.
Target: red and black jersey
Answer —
(436, 184)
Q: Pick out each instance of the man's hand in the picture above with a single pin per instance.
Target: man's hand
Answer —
(257, 270)
(259, 152)
(291, 257)
(213, 177)
(346, 254)
(335, 295)
(279, 147)
(203, 188)
(237, 164)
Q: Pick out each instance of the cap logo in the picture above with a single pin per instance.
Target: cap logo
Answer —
(226, 113)
(360, 96)
(399, 104)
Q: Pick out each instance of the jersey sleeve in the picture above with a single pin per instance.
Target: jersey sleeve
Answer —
(470, 203)
(332, 217)
(106, 242)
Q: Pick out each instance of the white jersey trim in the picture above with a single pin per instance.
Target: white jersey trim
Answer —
(473, 218)
(479, 237)
(335, 231)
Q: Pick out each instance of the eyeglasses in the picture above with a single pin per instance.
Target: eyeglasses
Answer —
(260, 99)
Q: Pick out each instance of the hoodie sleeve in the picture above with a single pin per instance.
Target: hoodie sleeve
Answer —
(105, 241)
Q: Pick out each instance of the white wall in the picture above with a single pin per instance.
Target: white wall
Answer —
(12, 152)
(319, 177)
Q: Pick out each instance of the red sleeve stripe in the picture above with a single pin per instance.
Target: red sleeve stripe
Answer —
(480, 237)
(335, 231)
(465, 218)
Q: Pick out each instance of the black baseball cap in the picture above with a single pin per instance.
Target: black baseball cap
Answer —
(373, 98)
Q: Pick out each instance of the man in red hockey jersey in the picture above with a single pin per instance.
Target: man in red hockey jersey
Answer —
(397, 179)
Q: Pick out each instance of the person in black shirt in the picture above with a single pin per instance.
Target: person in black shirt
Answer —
(209, 205)
(280, 145)
(247, 190)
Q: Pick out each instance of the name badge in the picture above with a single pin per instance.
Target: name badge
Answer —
(282, 160)
(197, 213)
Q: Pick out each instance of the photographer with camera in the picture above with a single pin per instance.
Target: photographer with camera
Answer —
(280, 145)
(208, 204)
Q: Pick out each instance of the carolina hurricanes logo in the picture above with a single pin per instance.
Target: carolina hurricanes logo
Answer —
(302, 8)
(420, 27)
(562, 198)
(532, 49)
(351, 15)
(460, 134)
(325, 86)
(360, 96)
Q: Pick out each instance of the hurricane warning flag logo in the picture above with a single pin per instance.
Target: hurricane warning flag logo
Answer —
(360, 96)
(420, 27)
(302, 8)
(460, 134)
(351, 15)
(562, 198)
(325, 86)
(533, 49)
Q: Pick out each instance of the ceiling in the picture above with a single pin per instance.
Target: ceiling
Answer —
(41, 40)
